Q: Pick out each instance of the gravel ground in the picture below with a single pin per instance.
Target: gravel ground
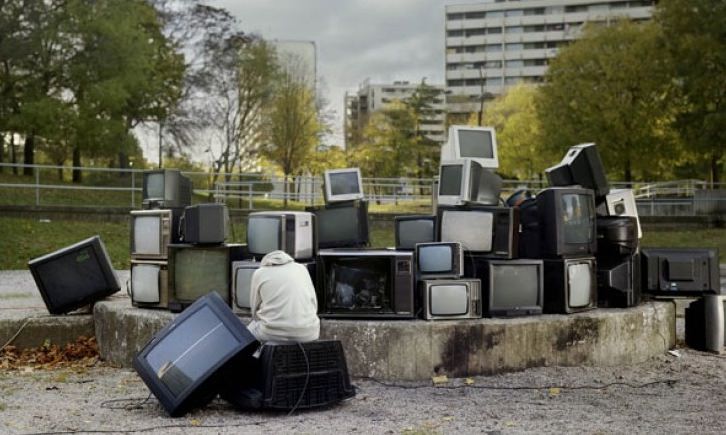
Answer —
(69, 401)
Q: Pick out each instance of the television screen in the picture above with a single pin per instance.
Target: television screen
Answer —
(242, 280)
(411, 230)
(450, 180)
(145, 280)
(577, 218)
(475, 144)
(196, 271)
(343, 185)
(435, 258)
(449, 299)
(74, 276)
(264, 234)
(360, 284)
(183, 363)
(341, 226)
(472, 228)
(147, 235)
(516, 286)
(579, 278)
(155, 185)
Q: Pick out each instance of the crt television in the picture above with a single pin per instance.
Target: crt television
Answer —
(195, 270)
(570, 285)
(289, 231)
(680, 271)
(152, 231)
(467, 142)
(205, 223)
(186, 363)
(451, 298)
(458, 182)
(513, 287)
(567, 221)
(616, 236)
(706, 323)
(342, 225)
(343, 185)
(74, 276)
(621, 202)
(618, 280)
(149, 284)
(581, 166)
(410, 230)
(166, 188)
(241, 280)
(481, 229)
(439, 260)
(365, 283)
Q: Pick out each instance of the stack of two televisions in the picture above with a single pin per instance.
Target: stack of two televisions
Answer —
(206, 351)
(178, 252)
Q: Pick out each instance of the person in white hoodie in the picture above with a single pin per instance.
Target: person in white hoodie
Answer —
(283, 301)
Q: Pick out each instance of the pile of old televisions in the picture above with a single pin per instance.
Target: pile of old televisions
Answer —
(178, 252)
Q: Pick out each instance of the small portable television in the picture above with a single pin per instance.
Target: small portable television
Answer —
(149, 284)
(152, 231)
(467, 142)
(205, 223)
(570, 285)
(706, 323)
(581, 166)
(567, 221)
(451, 298)
(680, 271)
(365, 283)
(343, 185)
(513, 287)
(410, 230)
(439, 260)
(458, 182)
(481, 229)
(241, 280)
(618, 281)
(74, 276)
(621, 202)
(289, 231)
(342, 225)
(166, 188)
(196, 270)
(186, 363)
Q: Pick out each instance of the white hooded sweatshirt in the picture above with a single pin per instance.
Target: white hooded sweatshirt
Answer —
(283, 301)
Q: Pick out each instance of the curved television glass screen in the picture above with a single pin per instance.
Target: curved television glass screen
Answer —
(577, 215)
(200, 271)
(449, 299)
(475, 144)
(359, 284)
(579, 278)
(411, 232)
(263, 234)
(145, 283)
(155, 185)
(242, 286)
(147, 235)
(338, 224)
(190, 350)
(435, 258)
(515, 286)
(450, 180)
(344, 183)
(471, 228)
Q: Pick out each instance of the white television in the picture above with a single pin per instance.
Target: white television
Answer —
(621, 202)
(451, 299)
(458, 182)
(289, 231)
(149, 284)
(151, 233)
(242, 272)
(343, 185)
(467, 142)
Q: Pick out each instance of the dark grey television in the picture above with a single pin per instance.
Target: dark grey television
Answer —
(618, 281)
(680, 271)
(342, 224)
(166, 188)
(74, 276)
(185, 363)
(570, 285)
(205, 223)
(567, 222)
(581, 166)
(513, 287)
(410, 230)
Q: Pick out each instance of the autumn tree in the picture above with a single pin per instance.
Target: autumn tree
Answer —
(612, 88)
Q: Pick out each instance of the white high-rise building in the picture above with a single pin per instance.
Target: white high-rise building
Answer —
(496, 44)
(369, 98)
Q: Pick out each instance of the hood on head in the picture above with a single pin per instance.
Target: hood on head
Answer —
(276, 258)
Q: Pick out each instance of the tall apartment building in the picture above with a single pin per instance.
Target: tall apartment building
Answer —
(496, 44)
(369, 98)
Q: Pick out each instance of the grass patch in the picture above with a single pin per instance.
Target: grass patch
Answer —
(698, 238)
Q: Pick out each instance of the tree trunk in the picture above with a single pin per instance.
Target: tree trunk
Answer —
(2, 151)
(28, 153)
(284, 191)
(76, 164)
(13, 157)
(628, 173)
(715, 171)
(123, 163)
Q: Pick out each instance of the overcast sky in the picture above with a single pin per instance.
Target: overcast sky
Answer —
(384, 40)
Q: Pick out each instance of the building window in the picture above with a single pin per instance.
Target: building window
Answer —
(494, 81)
(495, 14)
(514, 47)
(534, 11)
(515, 63)
(576, 8)
(514, 29)
(515, 13)
(494, 30)
(455, 33)
(475, 15)
(452, 17)
(492, 48)
(534, 28)
(476, 32)
(453, 83)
